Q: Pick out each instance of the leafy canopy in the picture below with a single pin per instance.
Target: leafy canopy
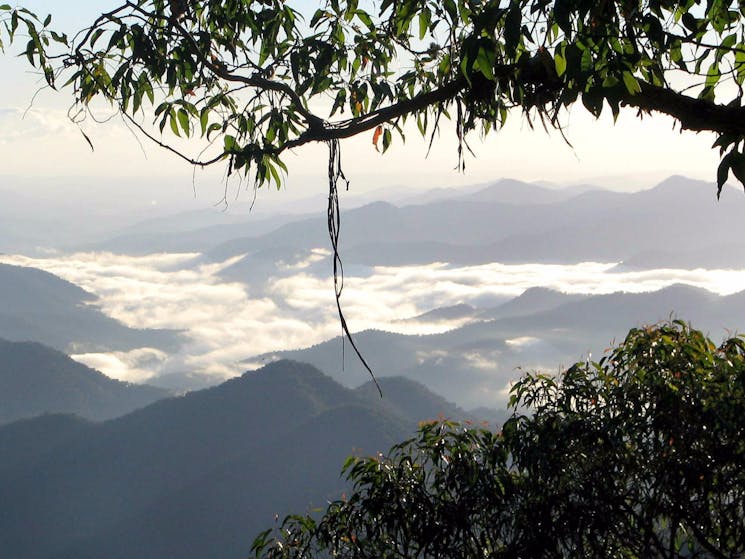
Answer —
(639, 455)
(260, 77)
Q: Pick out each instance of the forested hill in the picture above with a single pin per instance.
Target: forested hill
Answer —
(199, 475)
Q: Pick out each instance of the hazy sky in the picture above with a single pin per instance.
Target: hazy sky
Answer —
(632, 154)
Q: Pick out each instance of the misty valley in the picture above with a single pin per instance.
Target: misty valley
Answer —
(170, 387)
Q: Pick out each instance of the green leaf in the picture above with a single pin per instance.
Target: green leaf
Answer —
(737, 166)
(485, 62)
(632, 85)
(713, 75)
(425, 18)
(228, 143)
(60, 38)
(387, 139)
(451, 9)
(560, 62)
(214, 127)
(30, 50)
(204, 119)
(723, 173)
(95, 36)
(587, 64)
(593, 101)
(562, 13)
(740, 63)
(512, 26)
(365, 18)
(183, 118)
(173, 121)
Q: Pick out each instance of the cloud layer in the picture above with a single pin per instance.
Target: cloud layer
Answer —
(225, 322)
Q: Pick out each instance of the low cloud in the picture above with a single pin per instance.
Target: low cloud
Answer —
(522, 342)
(314, 256)
(131, 366)
(18, 124)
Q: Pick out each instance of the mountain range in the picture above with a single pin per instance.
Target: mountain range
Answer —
(544, 329)
(512, 222)
(507, 221)
(139, 473)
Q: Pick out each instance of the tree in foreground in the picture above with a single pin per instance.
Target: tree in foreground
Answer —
(639, 455)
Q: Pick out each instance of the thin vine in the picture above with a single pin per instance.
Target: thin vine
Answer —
(336, 174)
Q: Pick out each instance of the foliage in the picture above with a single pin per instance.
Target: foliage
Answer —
(258, 78)
(15, 22)
(638, 455)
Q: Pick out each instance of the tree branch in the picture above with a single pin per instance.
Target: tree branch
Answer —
(257, 81)
(346, 129)
(692, 113)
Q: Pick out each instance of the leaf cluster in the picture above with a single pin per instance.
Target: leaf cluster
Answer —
(638, 455)
(17, 23)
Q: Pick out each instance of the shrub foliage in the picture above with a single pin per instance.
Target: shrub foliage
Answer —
(638, 455)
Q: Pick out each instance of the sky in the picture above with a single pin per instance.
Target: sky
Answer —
(37, 140)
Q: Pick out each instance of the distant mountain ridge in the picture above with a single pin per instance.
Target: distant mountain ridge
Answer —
(508, 222)
(201, 230)
(724, 256)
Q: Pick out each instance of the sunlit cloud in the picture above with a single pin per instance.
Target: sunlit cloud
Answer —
(481, 361)
(18, 124)
(436, 356)
(138, 365)
(522, 342)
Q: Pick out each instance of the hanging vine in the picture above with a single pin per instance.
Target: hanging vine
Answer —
(335, 175)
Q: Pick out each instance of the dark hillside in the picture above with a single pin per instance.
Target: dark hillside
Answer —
(197, 475)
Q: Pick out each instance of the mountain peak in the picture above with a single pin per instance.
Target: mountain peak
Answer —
(285, 369)
(680, 186)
